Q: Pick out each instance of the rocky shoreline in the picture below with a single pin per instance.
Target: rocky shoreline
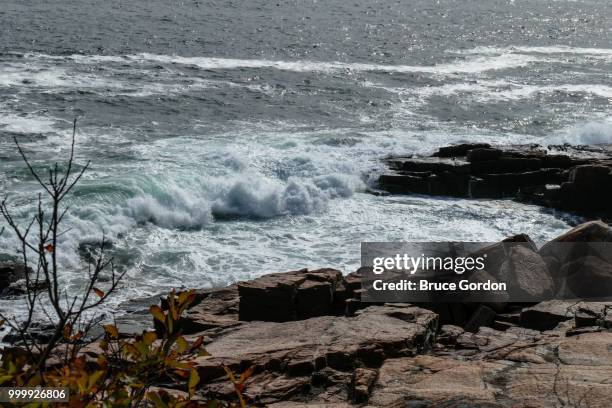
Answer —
(313, 343)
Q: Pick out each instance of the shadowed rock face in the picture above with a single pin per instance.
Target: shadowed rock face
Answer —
(569, 178)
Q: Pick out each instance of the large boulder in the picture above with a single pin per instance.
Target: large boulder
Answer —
(576, 243)
(592, 231)
(527, 275)
(589, 277)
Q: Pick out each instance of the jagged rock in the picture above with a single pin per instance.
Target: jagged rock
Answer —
(449, 333)
(214, 311)
(589, 314)
(288, 296)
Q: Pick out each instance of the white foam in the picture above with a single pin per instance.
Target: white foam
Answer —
(503, 90)
(549, 50)
(11, 122)
(43, 76)
(471, 65)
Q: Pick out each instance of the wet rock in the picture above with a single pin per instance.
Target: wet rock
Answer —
(10, 273)
(505, 165)
(483, 154)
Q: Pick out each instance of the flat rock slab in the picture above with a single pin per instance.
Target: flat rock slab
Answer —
(298, 353)
(572, 371)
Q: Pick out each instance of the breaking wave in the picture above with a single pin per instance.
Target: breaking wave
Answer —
(590, 133)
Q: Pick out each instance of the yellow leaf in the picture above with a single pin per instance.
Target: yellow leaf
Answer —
(112, 331)
(93, 379)
(194, 379)
(182, 345)
(158, 313)
(149, 337)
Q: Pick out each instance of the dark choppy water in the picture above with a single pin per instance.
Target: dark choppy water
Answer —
(230, 139)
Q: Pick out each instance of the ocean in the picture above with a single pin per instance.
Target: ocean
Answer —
(229, 139)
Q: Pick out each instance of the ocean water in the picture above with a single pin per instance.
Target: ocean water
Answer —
(232, 139)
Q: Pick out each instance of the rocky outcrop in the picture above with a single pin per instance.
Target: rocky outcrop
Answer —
(13, 279)
(569, 178)
(312, 342)
(290, 296)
